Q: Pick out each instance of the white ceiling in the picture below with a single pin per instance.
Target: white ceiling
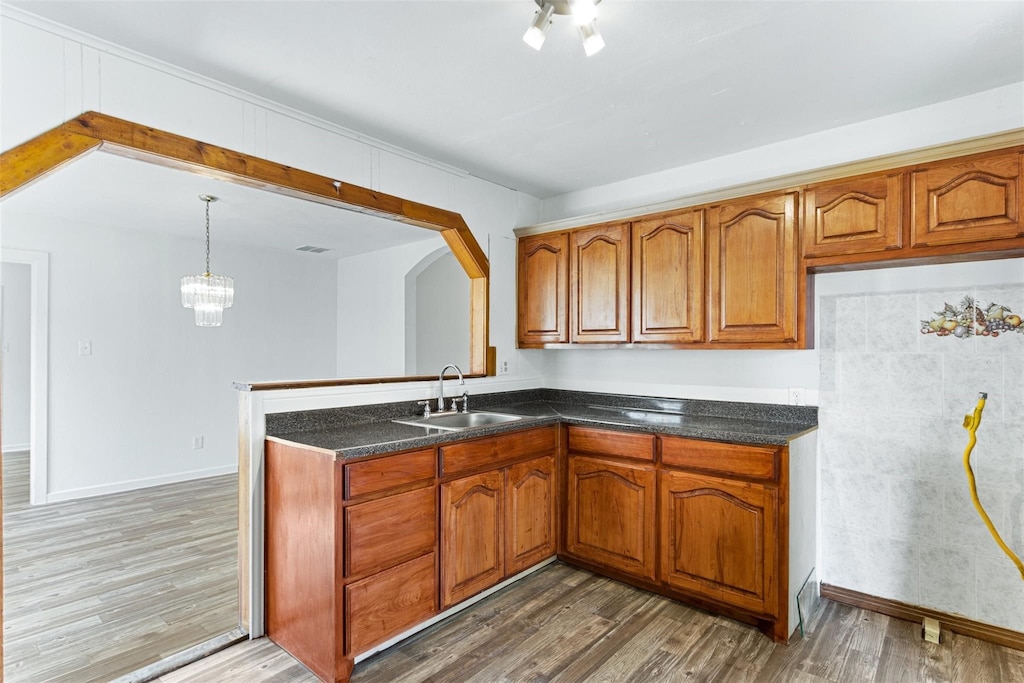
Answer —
(678, 82)
(111, 191)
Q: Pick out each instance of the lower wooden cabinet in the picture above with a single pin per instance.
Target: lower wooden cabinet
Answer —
(358, 553)
(351, 551)
(472, 536)
(720, 539)
(530, 513)
(610, 514)
(494, 525)
(381, 533)
(385, 604)
(727, 526)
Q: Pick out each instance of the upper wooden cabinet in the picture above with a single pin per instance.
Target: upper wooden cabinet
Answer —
(968, 200)
(753, 281)
(735, 274)
(599, 284)
(542, 280)
(854, 215)
(668, 278)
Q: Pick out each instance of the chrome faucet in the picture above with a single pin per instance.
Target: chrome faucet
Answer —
(440, 386)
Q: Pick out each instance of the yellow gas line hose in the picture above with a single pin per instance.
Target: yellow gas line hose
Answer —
(971, 423)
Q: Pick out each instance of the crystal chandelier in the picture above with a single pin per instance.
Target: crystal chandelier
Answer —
(208, 294)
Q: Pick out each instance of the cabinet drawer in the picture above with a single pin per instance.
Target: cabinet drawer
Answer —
(384, 532)
(755, 462)
(607, 442)
(375, 476)
(386, 604)
(496, 450)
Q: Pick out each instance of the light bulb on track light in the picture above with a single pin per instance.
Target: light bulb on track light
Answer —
(583, 11)
(534, 36)
(592, 40)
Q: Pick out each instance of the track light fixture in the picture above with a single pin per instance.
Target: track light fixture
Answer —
(584, 15)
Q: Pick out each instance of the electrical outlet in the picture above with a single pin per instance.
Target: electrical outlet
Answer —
(197, 442)
(85, 348)
(797, 396)
(503, 367)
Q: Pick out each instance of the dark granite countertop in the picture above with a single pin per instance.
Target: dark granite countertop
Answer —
(368, 430)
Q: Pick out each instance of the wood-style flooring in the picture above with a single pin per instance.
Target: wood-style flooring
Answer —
(99, 587)
(569, 626)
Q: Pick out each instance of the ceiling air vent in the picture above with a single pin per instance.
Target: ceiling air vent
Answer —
(312, 249)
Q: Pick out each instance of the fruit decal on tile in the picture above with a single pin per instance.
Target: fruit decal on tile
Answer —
(973, 319)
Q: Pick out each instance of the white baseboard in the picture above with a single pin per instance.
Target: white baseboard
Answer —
(133, 484)
(16, 447)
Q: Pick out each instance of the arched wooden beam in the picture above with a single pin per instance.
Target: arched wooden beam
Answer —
(45, 153)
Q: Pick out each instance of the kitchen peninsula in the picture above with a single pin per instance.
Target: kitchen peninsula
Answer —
(376, 529)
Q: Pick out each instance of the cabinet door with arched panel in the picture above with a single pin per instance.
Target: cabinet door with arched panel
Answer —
(611, 515)
(720, 539)
(668, 278)
(754, 286)
(543, 275)
(530, 513)
(970, 199)
(472, 536)
(854, 215)
(599, 284)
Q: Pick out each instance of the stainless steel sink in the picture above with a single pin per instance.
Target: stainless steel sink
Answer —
(457, 422)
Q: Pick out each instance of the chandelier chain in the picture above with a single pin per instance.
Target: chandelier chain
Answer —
(207, 237)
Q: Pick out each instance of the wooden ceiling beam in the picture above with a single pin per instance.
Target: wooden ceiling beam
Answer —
(32, 160)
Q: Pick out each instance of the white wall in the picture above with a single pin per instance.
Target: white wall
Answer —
(984, 113)
(897, 518)
(371, 309)
(441, 309)
(16, 394)
(124, 416)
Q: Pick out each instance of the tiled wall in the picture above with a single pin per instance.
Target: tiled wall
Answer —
(897, 519)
